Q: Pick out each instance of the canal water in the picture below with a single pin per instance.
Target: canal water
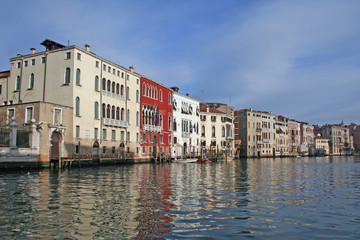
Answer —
(287, 198)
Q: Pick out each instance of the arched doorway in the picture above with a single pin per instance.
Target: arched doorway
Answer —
(122, 150)
(184, 149)
(55, 145)
(155, 143)
(95, 150)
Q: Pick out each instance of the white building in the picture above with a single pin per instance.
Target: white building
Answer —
(186, 117)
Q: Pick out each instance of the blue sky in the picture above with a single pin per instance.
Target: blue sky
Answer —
(300, 59)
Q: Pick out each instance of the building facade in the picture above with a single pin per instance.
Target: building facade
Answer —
(101, 94)
(306, 138)
(216, 131)
(281, 137)
(293, 137)
(321, 146)
(186, 124)
(156, 119)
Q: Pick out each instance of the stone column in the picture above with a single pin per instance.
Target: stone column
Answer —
(35, 136)
(13, 134)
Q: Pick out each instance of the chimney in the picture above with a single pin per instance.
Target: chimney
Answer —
(32, 50)
(131, 69)
(207, 109)
(187, 94)
(19, 55)
(87, 47)
(175, 89)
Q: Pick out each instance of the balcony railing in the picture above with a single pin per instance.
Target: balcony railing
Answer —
(115, 123)
(112, 95)
(152, 128)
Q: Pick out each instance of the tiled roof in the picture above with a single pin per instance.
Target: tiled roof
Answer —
(5, 74)
(204, 107)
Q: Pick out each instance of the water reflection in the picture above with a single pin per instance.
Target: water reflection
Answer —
(294, 198)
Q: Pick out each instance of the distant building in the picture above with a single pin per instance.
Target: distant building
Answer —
(216, 128)
(4, 79)
(306, 138)
(355, 133)
(256, 132)
(340, 140)
(321, 146)
(186, 125)
(281, 137)
(293, 137)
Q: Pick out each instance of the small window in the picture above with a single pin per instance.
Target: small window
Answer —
(28, 114)
(104, 149)
(78, 73)
(96, 83)
(67, 76)
(104, 67)
(25, 63)
(31, 81)
(128, 136)
(32, 62)
(77, 106)
(127, 93)
(137, 96)
(113, 150)
(122, 135)
(43, 60)
(68, 55)
(104, 134)
(118, 73)
(137, 137)
(97, 64)
(77, 131)
(18, 64)
(122, 75)
(18, 81)
(57, 116)
(96, 133)
(79, 56)
(114, 71)
(113, 135)
(0, 89)
(137, 81)
(127, 76)
(109, 69)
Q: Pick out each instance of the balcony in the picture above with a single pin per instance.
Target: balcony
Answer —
(115, 123)
(112, 95)
(152, 128)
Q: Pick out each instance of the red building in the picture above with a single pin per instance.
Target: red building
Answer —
(156, 118)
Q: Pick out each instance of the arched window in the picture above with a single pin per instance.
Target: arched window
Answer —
(143, 89)
(128, 116)
(127, 93)
(96, 83)
(17, 85)
(160, 96)
(223, 131)
(67, 76)
(96, 110)
(104, 84)
(143, 117)
(169, 126)
(77, 106)
(122, 114)
(122, 90)
(156, 97)
(108, 85)
(174, 125)
(161, 120)
(113, 87)
(203, 131)
(137, 96)
(213, 131)
(153, 93)
(147, 90)
(137, 118)
(150, 95)
(169, 98)
(31, 81)
(117, 113)
(113, 112)
(108, 111)
(104, 110)
(117, 89)
(78, 76)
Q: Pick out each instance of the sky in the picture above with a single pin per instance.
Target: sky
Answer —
(299, 59)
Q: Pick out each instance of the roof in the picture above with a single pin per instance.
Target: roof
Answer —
(5, 74)
(204, 107)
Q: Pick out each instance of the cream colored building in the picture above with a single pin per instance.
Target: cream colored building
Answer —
(104, 97)
(306, 138)
(257, 133)
(321, 146)
(281, 137)
(216, 129)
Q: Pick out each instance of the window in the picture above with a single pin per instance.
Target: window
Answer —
(104, 150)
(203, 131)
(127, 76)
(122, 135)
(169, 99)
(18, 64)
(213, 118)
(96, 133)
(77, 106)
(118, 73)
(97, 64)
(114, 71)
(67, 76)
(128, 136)
(109, 69)
(161, 139)
(122, 75)
(128, 116)
(28, 114)
(78, 76)
(113, 150)
(169, 124)
(113, 135)
(175, 140)
(137, 96)
(96, 110)
(32, 62)
(77, 148)
(137, 81)
(137, 118)
(104, 84)
(144, 138)
(137, 137)
(57, 116)
(160, 96)
(43, 59)
(77, 131)
(223, 131)
(68, 55)
(104, 134)
(31, 81)
(79, 56)
(17, 85)
(0, 89)
(104, 67)
(169, 140)
(96, 83)
(127, 93)
(10, 114)
(25, 63)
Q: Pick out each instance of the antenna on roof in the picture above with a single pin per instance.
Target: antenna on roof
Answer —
(68, 42)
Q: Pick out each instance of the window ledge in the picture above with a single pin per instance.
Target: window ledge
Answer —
(79, 116)
(17, 90)
(65, 84)
(79, 85)
(30, 89)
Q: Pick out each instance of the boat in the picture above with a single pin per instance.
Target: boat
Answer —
(186, 160)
